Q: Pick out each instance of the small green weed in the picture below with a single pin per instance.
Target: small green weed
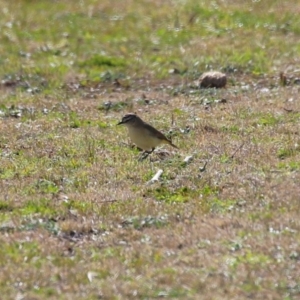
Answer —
(42, 206)
(180, 195)
(268, 120)
(292, 165)
(46, 186)
(100, 61)
(221, 206)
(5, 206)
(287, 152)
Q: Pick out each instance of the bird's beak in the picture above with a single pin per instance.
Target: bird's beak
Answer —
(120, 123)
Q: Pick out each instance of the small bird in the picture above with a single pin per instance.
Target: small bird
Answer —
(143, 134)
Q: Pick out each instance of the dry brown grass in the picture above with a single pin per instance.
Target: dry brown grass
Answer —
(78, 219)
(234, 235)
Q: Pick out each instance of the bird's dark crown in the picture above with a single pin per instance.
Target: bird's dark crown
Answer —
(128, 118)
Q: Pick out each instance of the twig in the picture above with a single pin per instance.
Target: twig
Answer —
(202, 169)
(108, 201)
(290, 110)
(155, 177)
(239, 148)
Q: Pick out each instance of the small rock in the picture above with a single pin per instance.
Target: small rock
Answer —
(212, 79)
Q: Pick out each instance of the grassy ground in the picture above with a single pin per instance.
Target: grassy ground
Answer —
(77, 217)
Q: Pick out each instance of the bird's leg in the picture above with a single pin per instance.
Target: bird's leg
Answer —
(146, 153)
(149, 152)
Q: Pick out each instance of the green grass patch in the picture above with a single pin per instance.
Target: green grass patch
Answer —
(221, 205)
(287, 152)
(6, 206)
(268, 120)
(41, 206)
(291, 165)
(100, 61)
(180, 195)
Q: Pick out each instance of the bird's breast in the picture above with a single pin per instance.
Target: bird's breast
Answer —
(143, 139)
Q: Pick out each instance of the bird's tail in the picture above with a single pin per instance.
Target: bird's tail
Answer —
(171, 144)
